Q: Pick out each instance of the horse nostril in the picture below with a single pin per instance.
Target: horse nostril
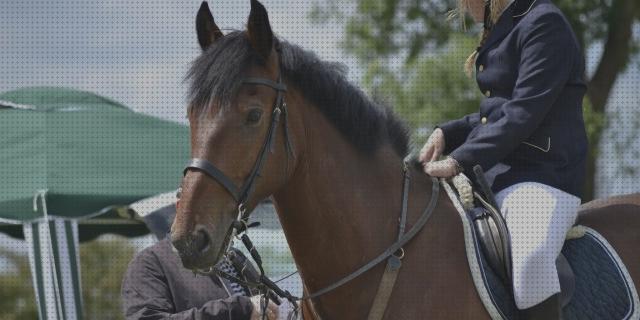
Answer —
(180, 246)
(201, 241)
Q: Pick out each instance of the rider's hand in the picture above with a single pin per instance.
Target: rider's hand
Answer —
(446, 168)
(256, 313)
(434, 147)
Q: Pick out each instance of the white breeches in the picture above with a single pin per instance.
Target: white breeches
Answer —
(538, 217)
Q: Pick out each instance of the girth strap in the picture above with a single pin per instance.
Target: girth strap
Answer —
(394, 262)
(385, 288)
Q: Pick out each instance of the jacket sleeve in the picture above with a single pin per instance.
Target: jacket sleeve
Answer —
(456, 131)
(145, 295)
(548, 56)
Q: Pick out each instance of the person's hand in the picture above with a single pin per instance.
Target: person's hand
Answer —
(434, 147)
(446, 168)
(256, 313)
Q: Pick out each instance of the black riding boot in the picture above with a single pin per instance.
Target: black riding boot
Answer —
(549, 309)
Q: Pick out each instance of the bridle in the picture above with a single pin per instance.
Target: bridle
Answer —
(270, 290)
(242, 194)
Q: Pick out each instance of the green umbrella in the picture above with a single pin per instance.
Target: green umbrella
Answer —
(87, 158)
(89, 152)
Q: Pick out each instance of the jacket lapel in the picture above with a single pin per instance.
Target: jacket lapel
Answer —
(500, 29)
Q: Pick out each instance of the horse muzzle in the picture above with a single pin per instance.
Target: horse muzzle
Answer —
(197, 250)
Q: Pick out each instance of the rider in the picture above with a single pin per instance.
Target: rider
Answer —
(529, 136)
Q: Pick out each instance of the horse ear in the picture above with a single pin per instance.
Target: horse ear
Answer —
(259, 30)
(208, 31)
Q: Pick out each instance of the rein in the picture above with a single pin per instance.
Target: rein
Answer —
(394, 254)
(270, 290)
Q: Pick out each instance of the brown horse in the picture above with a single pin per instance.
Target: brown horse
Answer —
(338, 189)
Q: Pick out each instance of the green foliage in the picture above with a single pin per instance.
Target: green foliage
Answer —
(390, 27)
(383, 32)
(582, 14)
(381, 28)
(413, 56)
(594, 122)
(17, 300)
(429, 89)
(103, 264)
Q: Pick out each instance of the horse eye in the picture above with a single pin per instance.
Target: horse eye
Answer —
(254, 116)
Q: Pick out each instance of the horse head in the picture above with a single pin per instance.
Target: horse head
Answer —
(241, 142)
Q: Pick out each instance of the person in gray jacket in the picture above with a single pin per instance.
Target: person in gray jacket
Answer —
(157, 286)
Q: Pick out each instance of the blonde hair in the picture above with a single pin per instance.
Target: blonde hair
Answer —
(497, 6)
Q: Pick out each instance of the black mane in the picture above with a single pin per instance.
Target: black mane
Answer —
(215, 77)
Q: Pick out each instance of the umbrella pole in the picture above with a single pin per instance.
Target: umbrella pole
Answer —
(54, 260)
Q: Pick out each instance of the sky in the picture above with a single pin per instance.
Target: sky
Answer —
(138, 52)
(135, 52)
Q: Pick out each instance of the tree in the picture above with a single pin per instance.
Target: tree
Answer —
(426, 90)
(382, 30)
(17, 300)
(103, 264)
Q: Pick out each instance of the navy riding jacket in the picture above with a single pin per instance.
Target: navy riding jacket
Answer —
(529, 127)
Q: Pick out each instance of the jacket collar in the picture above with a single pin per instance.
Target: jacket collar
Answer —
(516, 10)
(522, 7)
(500, 29)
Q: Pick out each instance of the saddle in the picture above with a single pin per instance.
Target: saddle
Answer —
(493, 237)
(593, 279)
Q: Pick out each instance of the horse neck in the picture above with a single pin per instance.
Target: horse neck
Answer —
(340, 208)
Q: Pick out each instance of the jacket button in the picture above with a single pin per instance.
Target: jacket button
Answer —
(481, 68)
(487, 93)
(483, 120)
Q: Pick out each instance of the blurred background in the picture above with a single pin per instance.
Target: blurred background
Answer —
(402, 52)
